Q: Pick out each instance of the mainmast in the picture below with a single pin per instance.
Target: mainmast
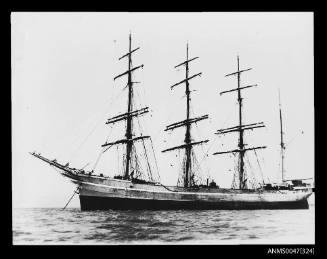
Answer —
(188, 174)
(129, 140)
(241, 127)
(282, 144)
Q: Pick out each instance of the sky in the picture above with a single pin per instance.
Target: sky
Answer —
(63, 65)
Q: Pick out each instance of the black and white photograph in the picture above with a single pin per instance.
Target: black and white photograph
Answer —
(168, 128)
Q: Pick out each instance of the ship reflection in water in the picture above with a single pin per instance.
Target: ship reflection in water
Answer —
(72, 226)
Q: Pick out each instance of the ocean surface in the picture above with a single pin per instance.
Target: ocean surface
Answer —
(71, 226)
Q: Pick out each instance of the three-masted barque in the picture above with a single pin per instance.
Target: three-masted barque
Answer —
(130, 191)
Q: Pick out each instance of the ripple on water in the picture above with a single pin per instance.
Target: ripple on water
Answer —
(55, 226)
(62, 231)
(17, 233)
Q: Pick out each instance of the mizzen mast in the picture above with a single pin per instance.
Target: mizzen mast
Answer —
(129, 115)
(241, 127)
(188, 174)
(282, 144)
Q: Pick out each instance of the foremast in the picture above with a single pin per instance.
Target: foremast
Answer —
(188, 173)
(241, 127)
(129, 115)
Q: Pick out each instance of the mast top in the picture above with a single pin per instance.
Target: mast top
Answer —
(186, 50)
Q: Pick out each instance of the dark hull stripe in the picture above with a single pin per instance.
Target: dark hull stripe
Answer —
(107, 203)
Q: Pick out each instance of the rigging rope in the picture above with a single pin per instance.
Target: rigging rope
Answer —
(102, 151)
(206, 153)
(167, 188)
(252, 171)
(137, 167)
(290, 141)
(155, 159)
(148, 164)
(145, 152)
(260, 169)
(118, 169)
(161, 129)
(235, 175)
(96, 125)
(96, 162)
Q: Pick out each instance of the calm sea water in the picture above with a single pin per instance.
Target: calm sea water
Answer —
(72, 226)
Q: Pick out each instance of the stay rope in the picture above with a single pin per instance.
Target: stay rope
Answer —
(96, 125)
(260, 169)
(255, 183)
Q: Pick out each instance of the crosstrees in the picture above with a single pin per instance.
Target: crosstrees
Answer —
(238, 72)
(238, 129)
(124, 141)
(128, 72)
(186, 79)
(238, 150)
(184, 122)
(241, 127)
(236, 89)
(188, 175)
(124, 116)
(128, 53)
(187, 61)
(186, 145)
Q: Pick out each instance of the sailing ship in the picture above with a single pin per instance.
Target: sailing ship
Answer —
(130, 191)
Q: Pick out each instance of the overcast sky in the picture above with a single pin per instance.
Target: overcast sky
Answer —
(63, 65)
